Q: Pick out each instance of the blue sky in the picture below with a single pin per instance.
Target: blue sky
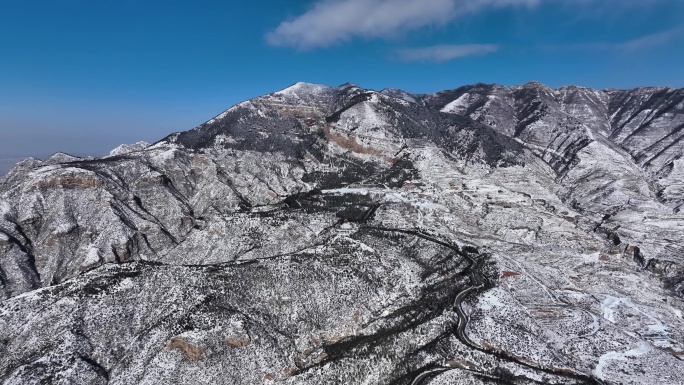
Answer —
(82, 76)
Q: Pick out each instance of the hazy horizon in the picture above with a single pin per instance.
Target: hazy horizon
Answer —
(100, 148)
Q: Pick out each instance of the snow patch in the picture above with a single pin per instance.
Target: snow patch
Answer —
(489, 301)
(656, 332)
(676, 312)
(64, 228)
(165, 145)
(595, 324)
(224, 139)
(298, 87)
(400, 95)
(642, 349)
(345, 190)
(166, 155)
(126, 284)
(428, 205)
(360, 244)
(396, 198)
(127, 148)
(93, 256)
(5, 208)
(608, 304)
(591, 258)
(461, 102)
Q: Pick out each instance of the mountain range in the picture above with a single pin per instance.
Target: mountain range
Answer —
(340, 235)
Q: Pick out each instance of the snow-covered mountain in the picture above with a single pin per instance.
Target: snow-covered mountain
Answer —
(339, 235)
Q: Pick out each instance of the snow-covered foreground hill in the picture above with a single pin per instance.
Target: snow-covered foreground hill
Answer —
(337, 235)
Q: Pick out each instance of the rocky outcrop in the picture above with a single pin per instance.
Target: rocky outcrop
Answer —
(324, 235)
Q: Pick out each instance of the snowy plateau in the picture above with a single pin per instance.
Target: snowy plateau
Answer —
(339, 235)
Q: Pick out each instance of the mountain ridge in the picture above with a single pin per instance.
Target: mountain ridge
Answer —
(343, 235)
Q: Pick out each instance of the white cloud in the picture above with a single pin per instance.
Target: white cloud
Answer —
(332, 21)
(442, 53)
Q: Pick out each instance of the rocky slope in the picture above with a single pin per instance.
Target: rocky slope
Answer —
(337, 235)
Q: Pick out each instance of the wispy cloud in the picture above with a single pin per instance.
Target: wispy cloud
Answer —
(332, 21)
(642, 43)
(442, 53)
(650, 41)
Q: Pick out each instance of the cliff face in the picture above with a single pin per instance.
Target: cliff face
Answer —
(324, 235)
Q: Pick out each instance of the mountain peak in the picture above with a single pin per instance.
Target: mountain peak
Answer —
(347, 85)
(302, 87)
